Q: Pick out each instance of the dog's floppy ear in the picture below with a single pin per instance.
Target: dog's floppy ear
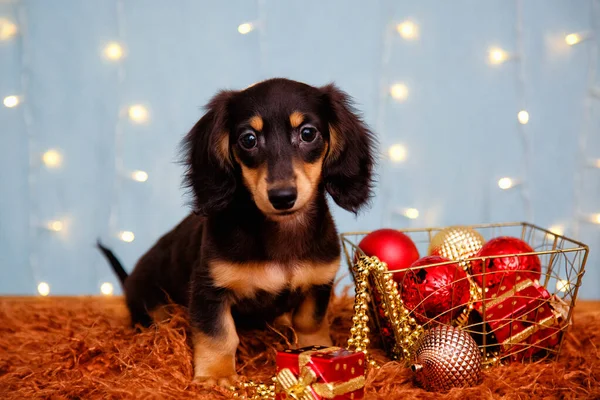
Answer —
(210, 174)
(347, 171)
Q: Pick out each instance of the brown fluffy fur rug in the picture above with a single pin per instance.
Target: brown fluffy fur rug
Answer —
(83, 348)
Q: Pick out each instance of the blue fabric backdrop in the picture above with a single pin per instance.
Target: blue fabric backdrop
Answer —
(458, 123)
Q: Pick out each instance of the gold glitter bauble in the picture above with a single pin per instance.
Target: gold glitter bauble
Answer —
(456, 243)
(445, 358)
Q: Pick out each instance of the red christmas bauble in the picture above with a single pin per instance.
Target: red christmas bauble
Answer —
(506, 270)
(394, 248)
(440, 291)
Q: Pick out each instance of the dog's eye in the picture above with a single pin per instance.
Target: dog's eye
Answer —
(248, 141)
(308, 134)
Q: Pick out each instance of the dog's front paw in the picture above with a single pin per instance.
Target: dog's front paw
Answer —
(223, 381)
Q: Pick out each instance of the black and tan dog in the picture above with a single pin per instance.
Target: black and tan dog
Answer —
(261, 243)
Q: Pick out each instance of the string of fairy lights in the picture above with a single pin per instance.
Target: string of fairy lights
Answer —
(53, 158)
(585, 163)
(523, 114)
(497, 56)
(116, 52)
(398, 91)
(7, 31)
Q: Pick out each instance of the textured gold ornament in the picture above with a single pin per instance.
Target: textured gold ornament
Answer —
(457, 243)
(445, 358)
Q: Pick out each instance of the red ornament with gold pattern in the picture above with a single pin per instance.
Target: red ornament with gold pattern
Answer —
(509, 268)
(438, 291)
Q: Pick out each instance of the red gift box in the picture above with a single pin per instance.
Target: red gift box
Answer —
(318, 372)
(521, 319)
(534, 335)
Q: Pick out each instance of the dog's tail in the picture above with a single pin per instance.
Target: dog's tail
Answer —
(114, 262)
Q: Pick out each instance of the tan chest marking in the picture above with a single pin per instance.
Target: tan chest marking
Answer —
(245, 279)
(309, 274)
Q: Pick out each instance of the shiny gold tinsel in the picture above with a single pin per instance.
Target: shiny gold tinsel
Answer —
(445, 358)
(406, 330)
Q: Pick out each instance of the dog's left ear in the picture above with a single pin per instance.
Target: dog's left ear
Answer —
(348, 166)
(210, 174)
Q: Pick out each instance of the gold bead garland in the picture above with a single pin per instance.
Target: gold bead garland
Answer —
(406, 330)
(259, 391)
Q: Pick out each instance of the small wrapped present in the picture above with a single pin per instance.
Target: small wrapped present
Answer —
(522, 319)
(314, 373)
(534, 337)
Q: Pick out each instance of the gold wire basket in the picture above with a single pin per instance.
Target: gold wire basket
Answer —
(562, 268)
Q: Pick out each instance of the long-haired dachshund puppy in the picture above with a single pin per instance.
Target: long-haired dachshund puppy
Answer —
(261, 243)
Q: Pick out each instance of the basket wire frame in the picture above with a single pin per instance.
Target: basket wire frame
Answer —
(563, 266)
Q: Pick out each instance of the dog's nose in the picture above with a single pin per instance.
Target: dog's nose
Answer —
(283, 198)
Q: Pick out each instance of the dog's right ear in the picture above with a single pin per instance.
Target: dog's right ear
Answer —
(210, 173)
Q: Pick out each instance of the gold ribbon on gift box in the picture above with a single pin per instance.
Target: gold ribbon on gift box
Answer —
(304, 386)
(494, 301)
(527, 332)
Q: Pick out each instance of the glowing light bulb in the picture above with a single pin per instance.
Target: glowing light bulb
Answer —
(140, 176)
(557, 229)
(106, 289)
(11, 101)
(7, 29)
(497, 56)
(505, 183)
(52, 158)
(573, 38)
(407, 29)
(596, 218)
(397, 153)
(127, 236)
(562, 285)
(523, 117)
(43, 289)
(138, 113)
(55, 226)
(399, 91)
(113, 51)
(411, 213)
(245, 28)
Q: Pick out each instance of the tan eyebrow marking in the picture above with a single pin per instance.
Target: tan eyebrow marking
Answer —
(256, 123)
(296, 119)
